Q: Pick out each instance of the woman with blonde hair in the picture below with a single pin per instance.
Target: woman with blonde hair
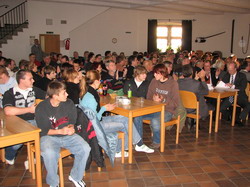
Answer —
(91, 100)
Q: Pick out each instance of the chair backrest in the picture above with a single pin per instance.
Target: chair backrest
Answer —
(38, 101)
(189, 99)
(248, 91)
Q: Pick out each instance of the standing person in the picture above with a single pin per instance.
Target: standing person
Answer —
(164, 90)
(37, 50)
(110, 124)
(20, 101)
(56, 117)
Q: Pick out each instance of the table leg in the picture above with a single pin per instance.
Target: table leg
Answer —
(234, 109)
(162, 130)
(38, 161)
(217, 114)
(130, 138)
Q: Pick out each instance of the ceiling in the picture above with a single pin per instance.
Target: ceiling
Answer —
(209, 7)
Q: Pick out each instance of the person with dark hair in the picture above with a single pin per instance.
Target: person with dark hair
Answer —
(56, 116)
(113, 79)
(121, 66)
(20, 101)
(161, 89)
(10, 65)
(107, 53)
(90, 61)
(200, 89)
(2, 61)
(132, 63)
(37, 50)
(49, 75)
(245, 68)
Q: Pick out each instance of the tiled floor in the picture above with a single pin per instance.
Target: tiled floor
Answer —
(221, 159)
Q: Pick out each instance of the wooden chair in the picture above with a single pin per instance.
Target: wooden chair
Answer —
(173, 121)
(189, 100)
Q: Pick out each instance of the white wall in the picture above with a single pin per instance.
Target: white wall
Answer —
(38, 12)
(92, 28)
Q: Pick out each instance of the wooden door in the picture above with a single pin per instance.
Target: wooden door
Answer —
(50, 43)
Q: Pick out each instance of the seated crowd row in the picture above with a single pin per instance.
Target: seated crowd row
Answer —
(64, 84)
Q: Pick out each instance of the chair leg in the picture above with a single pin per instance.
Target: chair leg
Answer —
(31, 162)
(2, 150)
(29, 154)
(197, 127)
(121, 136)
(177, 130)
(210, 121)
(60, 167)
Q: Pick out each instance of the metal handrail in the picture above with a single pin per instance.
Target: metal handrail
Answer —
(13, 19)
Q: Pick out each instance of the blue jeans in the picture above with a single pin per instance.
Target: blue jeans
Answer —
(50, 150)
(11, 151)
(119, 123)
(155, 124)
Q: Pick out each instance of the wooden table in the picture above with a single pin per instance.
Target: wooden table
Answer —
(19, 131)
(134, 109)
(220, 94)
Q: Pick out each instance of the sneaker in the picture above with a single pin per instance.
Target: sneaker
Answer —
(119, 154)
(81, 183)
(26, 164)
(154, 146)
(10, 162)
(144, 148)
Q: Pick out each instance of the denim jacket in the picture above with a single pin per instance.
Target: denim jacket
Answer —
(107, 141)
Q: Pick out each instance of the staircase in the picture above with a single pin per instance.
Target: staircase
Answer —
(12, 22)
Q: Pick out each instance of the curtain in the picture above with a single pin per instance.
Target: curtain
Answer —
(186, 35)
(152, 28)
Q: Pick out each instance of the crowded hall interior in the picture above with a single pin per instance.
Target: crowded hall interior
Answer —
(128, 93)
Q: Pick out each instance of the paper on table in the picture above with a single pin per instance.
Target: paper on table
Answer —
(221, 85)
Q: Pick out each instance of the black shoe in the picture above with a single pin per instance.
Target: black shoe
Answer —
(239, 123)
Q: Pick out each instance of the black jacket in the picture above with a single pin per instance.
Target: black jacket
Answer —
(84, 128)
(140, 91)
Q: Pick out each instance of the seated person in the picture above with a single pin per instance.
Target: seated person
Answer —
(20, 101)
(245, 68)
(139, 84)
(49, 75)
(113, 79)
(132, 63)
(148, 64)
(56, 117)
(235, 80)
(211, 74)
(6, 82)
(90, 99)
(200, 89)
(164, 90)
(72, 79)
